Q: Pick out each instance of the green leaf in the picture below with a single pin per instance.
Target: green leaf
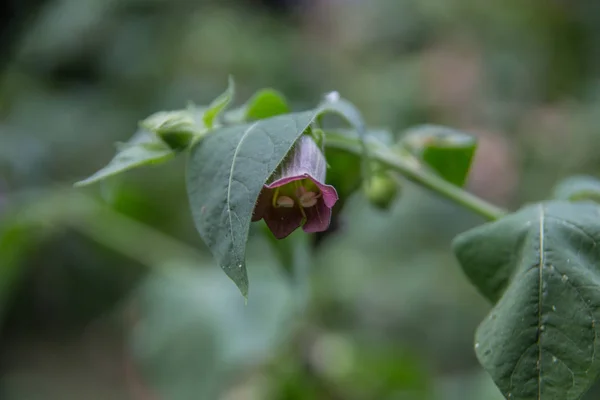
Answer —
(578, 188)
(540, 266)
(333, 104)
(343, 172)
(266, 103)
(218, 105)
(225, 174)
(144, 148)
(447, 151)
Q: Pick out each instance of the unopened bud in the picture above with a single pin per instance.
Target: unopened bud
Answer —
(176, 128)
(381, 190)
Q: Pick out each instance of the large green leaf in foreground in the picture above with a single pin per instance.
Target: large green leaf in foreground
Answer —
(225, 174)
(541, 268)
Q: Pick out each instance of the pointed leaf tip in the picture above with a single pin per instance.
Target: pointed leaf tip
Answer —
(144, 148)
(218, 105)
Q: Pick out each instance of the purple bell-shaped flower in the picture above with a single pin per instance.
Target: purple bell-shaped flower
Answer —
(296, 194)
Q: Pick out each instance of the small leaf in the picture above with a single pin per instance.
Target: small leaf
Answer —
(578, 188)
(266, 103)
(144, 148)
(540, 266)
(347, 111)
(218, 105)
(333, 104)
(447, 151)
(225, 174)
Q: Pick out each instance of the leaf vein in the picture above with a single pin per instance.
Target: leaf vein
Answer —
(230, 180)
(565, 364)
(579, 228)
(517, 365)
(540, 300)
(589, 310)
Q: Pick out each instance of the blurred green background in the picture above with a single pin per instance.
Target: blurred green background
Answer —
(108, 293)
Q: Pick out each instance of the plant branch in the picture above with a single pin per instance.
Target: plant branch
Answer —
(65, 207)
(413, 170)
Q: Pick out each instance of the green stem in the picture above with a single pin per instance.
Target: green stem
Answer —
(412, 169)
(48, 208)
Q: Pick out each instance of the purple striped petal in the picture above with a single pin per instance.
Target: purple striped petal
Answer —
(318, 218)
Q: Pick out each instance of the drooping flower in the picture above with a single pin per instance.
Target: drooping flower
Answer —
(296, 194)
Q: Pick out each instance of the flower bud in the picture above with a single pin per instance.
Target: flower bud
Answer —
(175, 128)
(381, 190)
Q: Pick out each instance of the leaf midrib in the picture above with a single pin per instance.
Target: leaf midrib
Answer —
(230, 179)
(540, 300)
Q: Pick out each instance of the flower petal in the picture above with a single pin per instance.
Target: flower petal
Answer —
(329, 193)
(330, 196)
(305, 160)
(262, 204)
(282, 221)
(317, 217)
(286, 180)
